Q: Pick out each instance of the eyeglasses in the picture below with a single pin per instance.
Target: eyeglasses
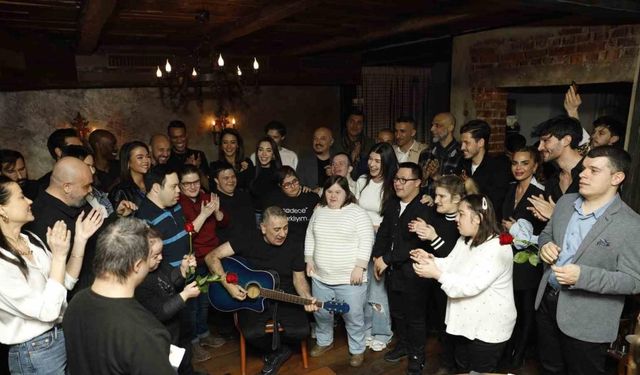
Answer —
(403, 181)
(190, 184)
(288, 185)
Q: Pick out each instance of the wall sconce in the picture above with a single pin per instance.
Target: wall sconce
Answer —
(220, 123)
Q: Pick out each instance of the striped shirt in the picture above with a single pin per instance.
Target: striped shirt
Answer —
(338, 240)
(170, 223)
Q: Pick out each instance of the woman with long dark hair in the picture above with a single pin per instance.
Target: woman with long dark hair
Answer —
(231, 151)
(477, 278)
(523, 225)
(35, 280)
(134, 164)
(372, 192)
(264, 181)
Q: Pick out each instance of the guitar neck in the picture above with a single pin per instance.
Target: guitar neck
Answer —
(286, 297)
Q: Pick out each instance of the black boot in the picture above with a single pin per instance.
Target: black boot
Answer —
(396, 354)
(273, 361)
(416, 364)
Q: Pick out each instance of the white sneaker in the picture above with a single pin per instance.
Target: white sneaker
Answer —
(377, 346)
(368, 341)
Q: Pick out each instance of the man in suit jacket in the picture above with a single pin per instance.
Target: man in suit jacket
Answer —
(313, 167)
(590, 247)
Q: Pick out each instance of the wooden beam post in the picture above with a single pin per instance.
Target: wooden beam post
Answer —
(414, 24)
(95, 14)
(263, 18)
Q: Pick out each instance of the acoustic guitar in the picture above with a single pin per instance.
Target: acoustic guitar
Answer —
(260, 285)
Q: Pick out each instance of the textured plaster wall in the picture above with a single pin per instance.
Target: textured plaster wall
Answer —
(28, 117)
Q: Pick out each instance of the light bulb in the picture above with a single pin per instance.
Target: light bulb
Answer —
(233, 122)
(239, 71)
(220, 61)
(256, 66)
(167, 67)
(159, 72)
(194, 73)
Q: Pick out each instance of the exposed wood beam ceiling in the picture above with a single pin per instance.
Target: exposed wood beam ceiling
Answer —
(95, 15)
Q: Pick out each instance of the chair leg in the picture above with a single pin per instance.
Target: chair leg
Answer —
(243, 346)
(303, 352)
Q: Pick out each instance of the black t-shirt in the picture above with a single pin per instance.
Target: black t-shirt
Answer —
(298, 209)
(114, 336)
(242, 218)
(283, 259)
(322, 171)
(262, 185)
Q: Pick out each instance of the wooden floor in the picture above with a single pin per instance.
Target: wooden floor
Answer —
(226, 361)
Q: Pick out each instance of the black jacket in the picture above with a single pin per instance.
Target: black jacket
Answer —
(492, 177)
(126, 191)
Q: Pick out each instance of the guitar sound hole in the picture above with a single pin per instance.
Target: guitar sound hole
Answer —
(253, 291)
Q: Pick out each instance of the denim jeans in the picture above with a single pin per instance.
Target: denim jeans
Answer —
(199, 310)
(42, 355)
(377, 320)
(355, 296)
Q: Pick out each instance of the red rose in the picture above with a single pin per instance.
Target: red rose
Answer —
(506, 239)
(189, 227)
(232, 278)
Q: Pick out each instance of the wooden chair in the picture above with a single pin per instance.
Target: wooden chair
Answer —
(267, 329)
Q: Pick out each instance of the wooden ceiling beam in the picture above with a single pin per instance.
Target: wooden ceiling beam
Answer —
(623, 8)
(95, 15)
(263, 18)
(412, 25)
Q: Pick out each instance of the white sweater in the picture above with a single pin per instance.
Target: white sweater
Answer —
(479, 284)
(337, 240)
(369, 198)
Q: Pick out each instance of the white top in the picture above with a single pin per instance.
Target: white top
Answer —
(337, 240)
(30, 307)
(369, 198)
(287, 156)
(479, 284)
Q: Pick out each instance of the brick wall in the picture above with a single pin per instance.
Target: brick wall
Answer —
(541, 57)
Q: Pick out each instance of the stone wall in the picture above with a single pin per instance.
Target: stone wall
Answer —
(28, 117)
(485, 65)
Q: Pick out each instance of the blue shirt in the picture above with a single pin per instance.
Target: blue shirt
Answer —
(579, 225)
(170, 223)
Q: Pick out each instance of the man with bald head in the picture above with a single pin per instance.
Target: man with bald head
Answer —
(444, 157)
(160, 148)
(65, 199)
(104, 146)
(314, 168)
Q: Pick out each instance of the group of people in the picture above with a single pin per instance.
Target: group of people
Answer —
(414, 238)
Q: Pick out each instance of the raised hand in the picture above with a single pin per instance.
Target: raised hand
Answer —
(422, 229)
(59, 239)
(572, 102)
(126, 208)
(208, 208)
(87, 226)
(188, 261)
(542, 209)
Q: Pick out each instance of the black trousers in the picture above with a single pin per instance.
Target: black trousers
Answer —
(525, 323)
(476, 355)
(291, 317)
(561, 354)
(408, 295)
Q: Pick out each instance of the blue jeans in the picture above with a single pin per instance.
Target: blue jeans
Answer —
(355, 296)
(377, 321)
(199, 310)
(42, 355)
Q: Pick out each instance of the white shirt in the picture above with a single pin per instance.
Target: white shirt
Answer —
(287, 156)
(479, 284)
(337, 240)
(32, 306)
(369, 198)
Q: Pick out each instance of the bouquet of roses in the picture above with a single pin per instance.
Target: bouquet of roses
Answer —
(522, 256)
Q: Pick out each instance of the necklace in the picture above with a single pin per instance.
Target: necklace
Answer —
(21, 244)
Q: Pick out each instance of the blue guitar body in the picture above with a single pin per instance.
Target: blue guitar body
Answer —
(221, 300)
(259, 285)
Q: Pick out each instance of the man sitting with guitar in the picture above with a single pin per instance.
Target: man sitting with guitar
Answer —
(270, 251)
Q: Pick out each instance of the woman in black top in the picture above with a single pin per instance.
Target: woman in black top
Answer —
(265, 180)
(522, 224)
(134, 164)
(232, 151)
(297, 204)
